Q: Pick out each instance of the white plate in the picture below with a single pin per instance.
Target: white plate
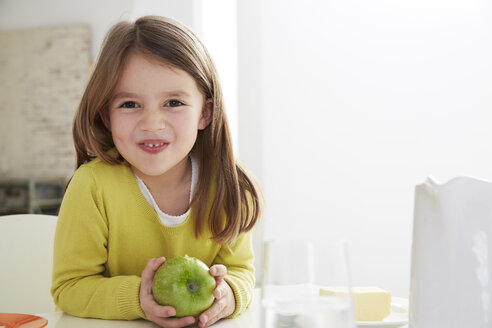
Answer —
(397, 318)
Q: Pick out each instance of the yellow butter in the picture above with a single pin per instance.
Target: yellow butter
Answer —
(371, 303)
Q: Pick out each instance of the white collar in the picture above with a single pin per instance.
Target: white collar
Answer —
(166, 219)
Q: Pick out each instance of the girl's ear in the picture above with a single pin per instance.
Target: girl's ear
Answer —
(206, 117)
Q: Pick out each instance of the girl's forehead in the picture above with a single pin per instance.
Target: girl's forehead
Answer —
(143, 71)
(152, 60)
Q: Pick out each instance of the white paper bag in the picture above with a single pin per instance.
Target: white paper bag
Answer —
(451, 277)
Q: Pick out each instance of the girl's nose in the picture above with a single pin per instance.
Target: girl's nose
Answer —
(152, 120)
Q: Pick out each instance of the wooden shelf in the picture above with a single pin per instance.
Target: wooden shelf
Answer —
(30, 196)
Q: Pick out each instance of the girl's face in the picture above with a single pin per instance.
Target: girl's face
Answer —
(155, 114)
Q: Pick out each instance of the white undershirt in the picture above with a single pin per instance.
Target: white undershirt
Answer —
(166, 219)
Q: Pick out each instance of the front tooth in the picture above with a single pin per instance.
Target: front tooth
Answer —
(155, 145)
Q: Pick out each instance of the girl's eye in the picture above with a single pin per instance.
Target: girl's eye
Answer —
(130, 104)
(174, 103)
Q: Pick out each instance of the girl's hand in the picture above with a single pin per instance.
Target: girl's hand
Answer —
(153, 311)
(224, 304)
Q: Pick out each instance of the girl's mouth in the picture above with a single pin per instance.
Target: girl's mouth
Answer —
(153, 146)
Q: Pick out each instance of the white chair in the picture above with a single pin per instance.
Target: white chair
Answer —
(26, 259)
(451, 272)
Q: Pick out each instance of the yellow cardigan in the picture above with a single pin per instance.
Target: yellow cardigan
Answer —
(107, 232)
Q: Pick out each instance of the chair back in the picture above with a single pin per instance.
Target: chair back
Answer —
(451, 272)
(26, 259)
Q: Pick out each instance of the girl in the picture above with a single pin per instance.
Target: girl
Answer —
(156, 178)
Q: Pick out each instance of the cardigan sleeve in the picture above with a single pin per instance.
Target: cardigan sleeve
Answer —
(81, 286)
(239, 260)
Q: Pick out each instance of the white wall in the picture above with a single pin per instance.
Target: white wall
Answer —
(359, 102)
(215, 23)
(344, 106)
(100, 15)
(249, 98)
(187, 12)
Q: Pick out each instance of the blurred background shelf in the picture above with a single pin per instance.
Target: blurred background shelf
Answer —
(31, 196)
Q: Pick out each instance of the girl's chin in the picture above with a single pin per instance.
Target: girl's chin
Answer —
(156, 168)
(149, 173)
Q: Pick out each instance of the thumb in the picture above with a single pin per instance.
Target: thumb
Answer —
(149, 272)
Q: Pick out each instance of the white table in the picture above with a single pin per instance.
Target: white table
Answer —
(251, 318)
(248, 319)
(63, 320)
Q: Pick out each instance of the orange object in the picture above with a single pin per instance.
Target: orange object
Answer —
(18, 320)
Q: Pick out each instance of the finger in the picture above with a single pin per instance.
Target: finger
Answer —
(213, 320)
(163, 311)
(219, 280)
(218, 270)
(220, 290)
(149, 272)
(212, 314)
(209, 321)
(151, 267)
(175, 322)
(212, 311)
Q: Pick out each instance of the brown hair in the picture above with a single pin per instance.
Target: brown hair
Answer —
(237, 195)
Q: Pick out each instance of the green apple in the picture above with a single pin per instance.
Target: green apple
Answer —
(184, 283)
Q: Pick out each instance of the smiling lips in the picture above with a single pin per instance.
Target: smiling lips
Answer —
(153, 146)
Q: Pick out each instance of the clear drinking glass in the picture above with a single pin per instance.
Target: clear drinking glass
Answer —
(293, 272)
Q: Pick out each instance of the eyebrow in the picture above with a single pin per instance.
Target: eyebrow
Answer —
(173, 93)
